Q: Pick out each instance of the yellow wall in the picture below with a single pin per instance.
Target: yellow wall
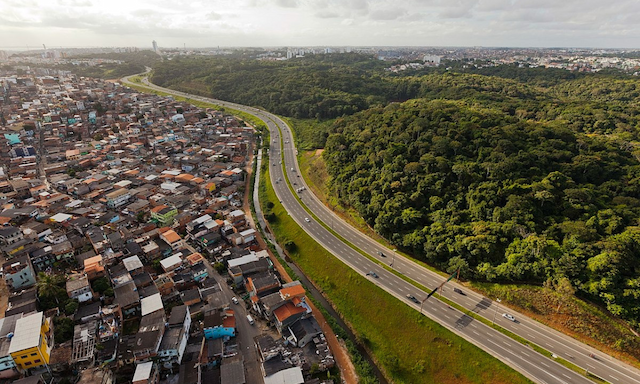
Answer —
(35, 356)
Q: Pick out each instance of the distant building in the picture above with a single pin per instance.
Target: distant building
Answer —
(155, 46)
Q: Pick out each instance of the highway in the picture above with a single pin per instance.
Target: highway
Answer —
(522, 358)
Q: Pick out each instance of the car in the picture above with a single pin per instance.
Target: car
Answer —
(413, 298)
(307, 220)
(459, 291)
(509, 317)
(234, 299)
(381, 254)
(294, 183)
(372, 274)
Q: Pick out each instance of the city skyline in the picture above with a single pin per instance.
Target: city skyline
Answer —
(488, 23)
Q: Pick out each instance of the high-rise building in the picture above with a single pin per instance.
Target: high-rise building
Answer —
(155, 46)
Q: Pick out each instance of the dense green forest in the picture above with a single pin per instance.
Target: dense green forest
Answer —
(512, 174)
(504, 198)
(322, 86)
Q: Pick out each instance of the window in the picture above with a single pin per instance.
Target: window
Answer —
(27, 363)
(34, 354)
(24, 357)
(37, 361)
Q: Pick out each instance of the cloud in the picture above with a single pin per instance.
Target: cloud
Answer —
(387, 14)
(287, 3)
(327, 15)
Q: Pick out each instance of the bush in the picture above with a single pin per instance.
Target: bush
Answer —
(71, 307)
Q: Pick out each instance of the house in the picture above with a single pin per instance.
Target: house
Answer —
(8, 367)
(302, 331)
(94, 267)
(163, 215)
(126, 296)
(146, 373)
(78, 288)
(32, 341)
(117, 198)
(133, 265)
(18, 273)
(292, 375)
(173, 239)
(172, 262)
(151, 304)
(214, 327)
(174, 341)
(10, 235)
(288, 314)
(147, 341)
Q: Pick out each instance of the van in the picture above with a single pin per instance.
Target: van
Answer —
(250, 319)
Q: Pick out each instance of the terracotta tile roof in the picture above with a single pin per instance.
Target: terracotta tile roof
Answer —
(296, 290)
(171, 236)
(287, 311)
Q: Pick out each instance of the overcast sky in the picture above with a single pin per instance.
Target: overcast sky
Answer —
(209, 23)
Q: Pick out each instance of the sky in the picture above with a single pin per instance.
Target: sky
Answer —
(237, 23)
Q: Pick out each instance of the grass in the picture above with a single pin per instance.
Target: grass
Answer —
(389, 328)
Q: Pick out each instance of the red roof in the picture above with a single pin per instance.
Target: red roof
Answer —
(287, 311)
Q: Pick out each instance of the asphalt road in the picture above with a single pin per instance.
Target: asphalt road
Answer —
(522, 358)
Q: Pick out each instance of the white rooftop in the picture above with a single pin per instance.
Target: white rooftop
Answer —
(151, 304)
(242, 260)
(60, 217)
(286, 376)
(143, 371)
(132, 263)
(171, 261)
(27, 332)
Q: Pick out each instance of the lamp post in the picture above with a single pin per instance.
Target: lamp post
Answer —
(393, 258)
(494, 313)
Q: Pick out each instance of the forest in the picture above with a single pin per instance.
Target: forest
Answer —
(500, 197)
(526, 175)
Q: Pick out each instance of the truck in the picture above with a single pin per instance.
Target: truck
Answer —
(250, 319)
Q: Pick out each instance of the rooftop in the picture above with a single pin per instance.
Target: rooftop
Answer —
(27, 332)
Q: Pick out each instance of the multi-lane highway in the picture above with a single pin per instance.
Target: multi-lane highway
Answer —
(284, 167)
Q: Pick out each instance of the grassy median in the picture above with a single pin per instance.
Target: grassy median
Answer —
(409, 347)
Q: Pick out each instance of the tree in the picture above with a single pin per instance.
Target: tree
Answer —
(100, 285)
(565, 289)
(71, 307)
(49, 286)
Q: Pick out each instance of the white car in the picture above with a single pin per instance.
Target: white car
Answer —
(235, 301)
(307, 220)
(509, 317)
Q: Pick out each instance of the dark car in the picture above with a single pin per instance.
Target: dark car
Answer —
(372, 274)
(413, 298)
(458, 290)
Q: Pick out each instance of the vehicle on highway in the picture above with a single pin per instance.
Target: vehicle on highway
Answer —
(294, 183)
(307, 220)
(234, 300)
(381, 254)
(509, 317)
(372, 274)
(413, 298)
(458, 290)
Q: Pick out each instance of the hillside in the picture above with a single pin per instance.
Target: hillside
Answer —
(502, 198)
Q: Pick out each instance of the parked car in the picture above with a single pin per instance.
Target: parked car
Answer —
(413, 298)
(372, 274)
(509, 317)
(458, 290)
